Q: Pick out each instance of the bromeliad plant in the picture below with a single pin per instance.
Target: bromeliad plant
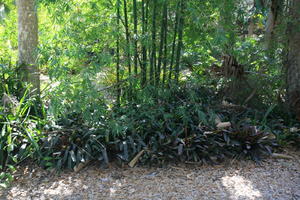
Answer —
(70, 143)
(19, 131)
(250, 141)
(179, 124)
(167, 124)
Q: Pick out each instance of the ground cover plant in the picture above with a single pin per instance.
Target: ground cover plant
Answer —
(146, 81)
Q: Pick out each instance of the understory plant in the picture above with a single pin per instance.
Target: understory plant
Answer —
(173, 124)
(20, 134)
(20, 127)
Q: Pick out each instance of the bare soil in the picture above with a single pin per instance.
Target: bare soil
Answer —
(273, 179)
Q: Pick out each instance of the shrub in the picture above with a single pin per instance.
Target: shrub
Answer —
(20, 131)
(175, 124)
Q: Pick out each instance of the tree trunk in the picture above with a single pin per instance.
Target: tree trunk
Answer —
(144, 48)
(162, 40)
(135, 20)
(180, 41)
(251, 25)
(118, 53)
(165, 60)
(293, 58)
(153, 54)
(273, 15)
(28, 43)
(174, 41)
(127, 38)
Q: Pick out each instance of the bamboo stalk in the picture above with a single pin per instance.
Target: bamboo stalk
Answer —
(161, 47)
(180, 41)
(174, 41)
(118, 53)
(153, 54)
(135, 21)
(127, 38)
(165, 56)
(144, 48)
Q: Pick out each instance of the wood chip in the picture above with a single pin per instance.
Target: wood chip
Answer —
(276, 179)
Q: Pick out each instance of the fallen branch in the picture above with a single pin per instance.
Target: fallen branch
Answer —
(250, 97)
(282, 156)
(80, 166)
(223, 125)
(136, 158)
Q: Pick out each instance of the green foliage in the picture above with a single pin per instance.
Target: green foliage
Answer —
(91, 114)
(288, 137)
(20, 131)
(75, 44)
(79, 94)
(72, 143)
(169, 124)
(8, 34)
(6, 177)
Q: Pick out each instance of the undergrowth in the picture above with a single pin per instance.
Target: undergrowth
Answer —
(174, 124)
(167, 91)
(178, 123)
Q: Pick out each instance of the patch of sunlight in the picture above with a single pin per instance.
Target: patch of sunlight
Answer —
(185, 74)
(61, 188)
(239, 187)
(113, 190)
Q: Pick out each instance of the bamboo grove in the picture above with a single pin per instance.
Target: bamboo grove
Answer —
(153, 33)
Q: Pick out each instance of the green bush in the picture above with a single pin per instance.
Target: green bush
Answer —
(20, 131)
(175, 124)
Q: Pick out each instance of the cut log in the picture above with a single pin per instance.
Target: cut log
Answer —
(136, 158)
(80, 166)
(282, 156)
(223, 125)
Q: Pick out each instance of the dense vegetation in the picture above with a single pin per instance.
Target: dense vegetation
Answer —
(157, 80)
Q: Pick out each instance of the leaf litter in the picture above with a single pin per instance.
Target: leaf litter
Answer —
(275, 178)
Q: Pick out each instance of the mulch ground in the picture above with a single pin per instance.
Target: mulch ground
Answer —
(273, 179)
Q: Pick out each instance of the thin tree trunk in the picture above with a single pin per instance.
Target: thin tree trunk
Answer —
(251, 25)
(180, 41)
(174, 41)
(165, 60)
(162, 40)
(135, 37)
(28, 43)
(273, 15)
(127, 38)
(118, 53)
(148, 41)
(293, 58)
(153, 54)
(144, 48)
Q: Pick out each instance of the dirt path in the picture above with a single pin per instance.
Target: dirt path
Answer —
(275, 179)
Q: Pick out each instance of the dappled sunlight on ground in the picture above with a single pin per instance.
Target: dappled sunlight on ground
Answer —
(244, 180)
(239, 187)
(117, 185)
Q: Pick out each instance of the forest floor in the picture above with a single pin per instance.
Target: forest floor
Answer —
(273, 179)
